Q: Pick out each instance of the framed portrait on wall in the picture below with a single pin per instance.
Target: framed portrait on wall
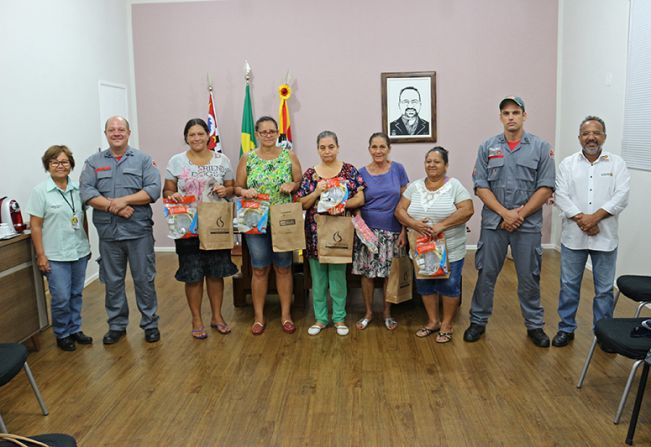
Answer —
(409, 106)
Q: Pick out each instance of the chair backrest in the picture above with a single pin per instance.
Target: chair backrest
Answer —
(12, 359)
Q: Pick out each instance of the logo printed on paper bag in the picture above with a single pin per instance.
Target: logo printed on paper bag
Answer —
(338, 242)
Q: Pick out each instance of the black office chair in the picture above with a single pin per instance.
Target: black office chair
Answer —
(52, 440)
(637, 288)
(13, 358)
(615, 334)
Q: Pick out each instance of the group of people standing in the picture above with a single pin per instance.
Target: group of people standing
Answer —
(514, 176)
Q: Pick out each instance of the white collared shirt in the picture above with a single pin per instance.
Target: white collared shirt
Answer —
(584, 187)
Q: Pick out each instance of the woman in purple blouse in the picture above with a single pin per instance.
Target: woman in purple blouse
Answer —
(385, 181)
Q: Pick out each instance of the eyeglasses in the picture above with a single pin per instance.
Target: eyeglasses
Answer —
(591, 133)
(267, 133)
(63, 163)
(413, 102)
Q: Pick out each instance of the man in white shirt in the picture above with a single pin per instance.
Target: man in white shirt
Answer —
(591, 190)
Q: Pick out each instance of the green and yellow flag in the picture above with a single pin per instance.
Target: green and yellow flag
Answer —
(248, 126)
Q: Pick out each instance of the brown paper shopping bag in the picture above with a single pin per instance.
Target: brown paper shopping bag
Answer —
(215, 225)
(287, 227)
(399, 283)
(335, 236)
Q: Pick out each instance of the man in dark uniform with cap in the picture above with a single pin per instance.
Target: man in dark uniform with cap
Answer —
(514, 176)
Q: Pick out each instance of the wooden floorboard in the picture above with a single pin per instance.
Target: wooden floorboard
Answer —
(371, 388)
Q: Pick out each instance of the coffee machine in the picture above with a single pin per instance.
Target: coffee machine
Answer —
(10, 214)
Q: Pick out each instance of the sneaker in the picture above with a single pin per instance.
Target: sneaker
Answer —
(474, 332)
(538, 337)
(562, 338)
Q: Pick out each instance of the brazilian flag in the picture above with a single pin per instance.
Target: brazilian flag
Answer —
(248, 126)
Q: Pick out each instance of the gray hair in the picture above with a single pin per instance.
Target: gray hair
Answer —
(326, 134)
(593, 118)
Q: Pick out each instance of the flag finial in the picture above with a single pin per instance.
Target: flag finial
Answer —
(209, 82)
(247, 70)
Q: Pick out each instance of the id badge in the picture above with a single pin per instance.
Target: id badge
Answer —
(74, 221)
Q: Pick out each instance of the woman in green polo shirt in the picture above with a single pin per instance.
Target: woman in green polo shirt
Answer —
(60, 237)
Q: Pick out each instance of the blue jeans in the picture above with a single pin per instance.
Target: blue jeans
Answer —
(66, 283)
(572, 268)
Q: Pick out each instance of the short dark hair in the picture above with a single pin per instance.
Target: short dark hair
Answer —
(264, 118)
(409, 87)
(53, 152)
(194, 122)
(381, 135)
(593, 118)
(441, 150)
(326, 134)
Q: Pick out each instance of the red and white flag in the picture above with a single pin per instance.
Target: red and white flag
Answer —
(214, 143)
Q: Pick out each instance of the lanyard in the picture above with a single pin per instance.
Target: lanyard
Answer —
(71, 205)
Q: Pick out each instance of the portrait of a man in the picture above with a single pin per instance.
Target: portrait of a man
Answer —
(409, 122)
(409, 106)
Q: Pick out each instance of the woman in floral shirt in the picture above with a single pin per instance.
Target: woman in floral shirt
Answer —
(275, 171)
(324, 275)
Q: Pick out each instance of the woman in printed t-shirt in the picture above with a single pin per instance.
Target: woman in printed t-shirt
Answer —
(208, 176)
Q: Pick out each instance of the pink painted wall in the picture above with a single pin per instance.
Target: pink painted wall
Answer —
(336, 50)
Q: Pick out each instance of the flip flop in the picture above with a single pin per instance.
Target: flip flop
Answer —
(426, 332)
(390, 323)
(363, 323)
(444, 337)
(200, 334)
(222, 328)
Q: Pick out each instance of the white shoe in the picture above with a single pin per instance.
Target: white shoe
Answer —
(342, 329)
(315, 329)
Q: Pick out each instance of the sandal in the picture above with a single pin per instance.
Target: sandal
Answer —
(257, 328)
(222, 328)
(315, 329)
(341, 329)
(289, 327)
(444, 337)
(426, 332)
(200, 334)
(363, 323)
(390, 323)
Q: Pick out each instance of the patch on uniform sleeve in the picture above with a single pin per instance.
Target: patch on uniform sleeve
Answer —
(551, 152)
(495, 152)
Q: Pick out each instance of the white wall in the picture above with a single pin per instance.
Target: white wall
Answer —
(52, 56)
(592, 78)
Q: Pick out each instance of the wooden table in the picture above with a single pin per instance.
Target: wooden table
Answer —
(23, 311)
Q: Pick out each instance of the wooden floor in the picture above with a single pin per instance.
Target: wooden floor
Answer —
(372, 388)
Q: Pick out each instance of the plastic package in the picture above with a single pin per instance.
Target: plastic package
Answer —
(252, 215)
(365, 234)
(432, 256)
(181, 217)
(333, 199)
